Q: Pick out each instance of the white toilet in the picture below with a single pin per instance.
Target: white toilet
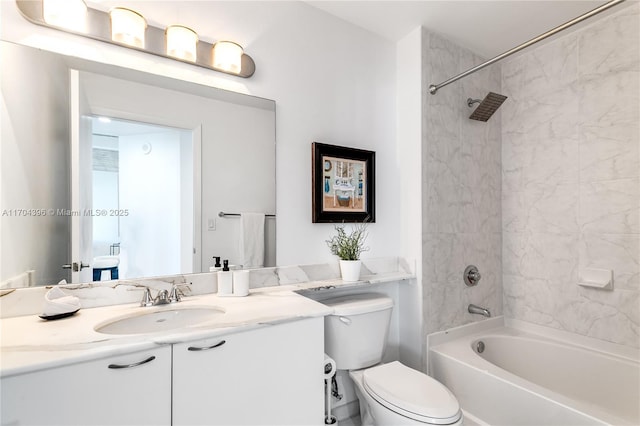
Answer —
(389, 394)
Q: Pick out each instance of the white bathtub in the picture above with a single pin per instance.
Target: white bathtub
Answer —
(531, 375)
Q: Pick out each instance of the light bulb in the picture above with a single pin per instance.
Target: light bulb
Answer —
(182, 42)
(127, 27)
(68, 14)
(227, 56)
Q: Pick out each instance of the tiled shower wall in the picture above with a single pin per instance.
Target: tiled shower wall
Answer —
(570, 182)
(461, 175)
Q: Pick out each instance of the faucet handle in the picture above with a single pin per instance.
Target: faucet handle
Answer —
(147, 300)
(175, 294)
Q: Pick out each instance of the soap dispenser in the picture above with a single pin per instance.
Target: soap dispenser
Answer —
(225, 280)
(216, 267)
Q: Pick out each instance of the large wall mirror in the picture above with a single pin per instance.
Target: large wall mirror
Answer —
(107, 171)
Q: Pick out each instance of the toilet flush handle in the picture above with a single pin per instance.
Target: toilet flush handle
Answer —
(345, 320)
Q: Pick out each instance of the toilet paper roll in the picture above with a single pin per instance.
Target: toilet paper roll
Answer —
(329, 367)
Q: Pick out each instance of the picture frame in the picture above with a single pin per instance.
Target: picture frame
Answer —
(343, 184)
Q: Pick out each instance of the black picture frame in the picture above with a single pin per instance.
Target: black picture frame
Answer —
(343, 184)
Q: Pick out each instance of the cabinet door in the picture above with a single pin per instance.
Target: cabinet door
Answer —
(268, 376)
(93, 392)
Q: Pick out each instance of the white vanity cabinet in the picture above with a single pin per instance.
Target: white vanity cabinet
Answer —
(272, 375)
(131, 389)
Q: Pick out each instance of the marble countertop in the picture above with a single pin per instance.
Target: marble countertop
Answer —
(30, 343)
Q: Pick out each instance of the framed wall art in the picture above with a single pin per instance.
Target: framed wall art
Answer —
(343, 184)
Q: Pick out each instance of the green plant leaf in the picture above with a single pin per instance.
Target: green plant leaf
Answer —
(349, 246)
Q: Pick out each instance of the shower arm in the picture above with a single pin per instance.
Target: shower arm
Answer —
(435, 87)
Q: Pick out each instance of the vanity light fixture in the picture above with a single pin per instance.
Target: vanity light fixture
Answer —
(182, 42)
(128, 27)
(67, 14)
(227, 56)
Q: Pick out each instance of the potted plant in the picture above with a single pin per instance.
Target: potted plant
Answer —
(348, 248)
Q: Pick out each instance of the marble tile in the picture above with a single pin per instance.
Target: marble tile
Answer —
(610, 316)
(618, 252)
(454, 298)
(611, 44)
(546, 69)
(443, 197)
(541, 208)
(532, 300)
(29, 301)
(267, 277)
(551, 208)
(551, 115)
(462, 181)
(291, 275)
(570, 179)
(611, 101)
(609, 134)
(444, 257)
(480, 178)
(514, 158)
(541, 256)
(552, 160)
(514, 207)
(609, 151)
(610, 207)
(443, 61)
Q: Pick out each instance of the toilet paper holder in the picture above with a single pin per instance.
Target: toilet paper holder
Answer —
(329, 380)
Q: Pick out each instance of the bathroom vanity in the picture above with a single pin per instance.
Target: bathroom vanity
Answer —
(204, 360)
(209, 374)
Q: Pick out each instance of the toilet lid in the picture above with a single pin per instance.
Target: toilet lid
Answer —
(411, 393)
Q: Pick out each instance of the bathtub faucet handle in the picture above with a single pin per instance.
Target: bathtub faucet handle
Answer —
(471, 276)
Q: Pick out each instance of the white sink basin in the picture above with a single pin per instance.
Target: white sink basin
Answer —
(160, 319)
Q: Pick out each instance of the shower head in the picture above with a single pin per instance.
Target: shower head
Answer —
(487, 106)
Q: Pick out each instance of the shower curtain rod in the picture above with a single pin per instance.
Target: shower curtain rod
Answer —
(435, 87)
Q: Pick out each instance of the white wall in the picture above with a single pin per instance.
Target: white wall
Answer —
(408, 148)
(332, 82)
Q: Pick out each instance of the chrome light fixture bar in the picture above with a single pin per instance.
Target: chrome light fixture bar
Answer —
(433, 89)
(98, 27)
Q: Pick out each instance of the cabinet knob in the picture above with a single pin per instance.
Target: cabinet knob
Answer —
(195, 348)
(135, 364)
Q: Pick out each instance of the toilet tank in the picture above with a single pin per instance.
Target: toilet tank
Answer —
(355, 335)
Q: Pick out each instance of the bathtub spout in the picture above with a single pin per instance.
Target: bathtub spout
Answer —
(473, 309)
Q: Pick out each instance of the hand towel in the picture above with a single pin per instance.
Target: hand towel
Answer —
(57, 302)
(252, 239)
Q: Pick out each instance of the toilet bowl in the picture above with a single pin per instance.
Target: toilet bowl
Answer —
(392, 393)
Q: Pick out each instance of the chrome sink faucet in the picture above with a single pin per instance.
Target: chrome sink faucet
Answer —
(473, 309)
(163, 297)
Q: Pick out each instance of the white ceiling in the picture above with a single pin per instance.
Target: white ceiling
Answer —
(485, 27)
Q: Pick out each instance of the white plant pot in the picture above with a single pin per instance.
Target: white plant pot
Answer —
(350, 270)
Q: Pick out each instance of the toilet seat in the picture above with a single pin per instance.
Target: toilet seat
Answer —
(411, 393)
